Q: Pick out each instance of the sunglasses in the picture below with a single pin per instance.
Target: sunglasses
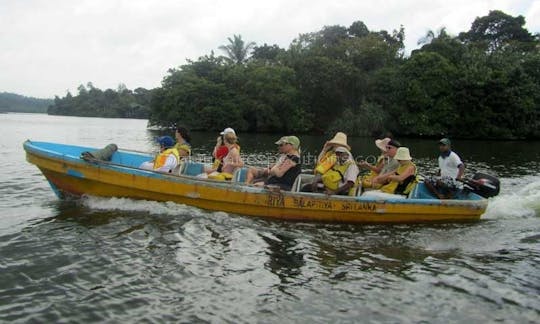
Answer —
(283, 144)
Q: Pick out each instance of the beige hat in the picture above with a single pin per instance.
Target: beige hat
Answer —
(381, 143)
(340, 139)
(403, 154)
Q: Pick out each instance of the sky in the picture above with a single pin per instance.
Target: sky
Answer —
(49, 47)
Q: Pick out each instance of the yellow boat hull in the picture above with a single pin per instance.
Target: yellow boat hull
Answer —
(78, 177)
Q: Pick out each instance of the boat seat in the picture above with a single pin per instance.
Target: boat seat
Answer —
(178, 169)
(239, 175)
(192, 168)
(301, 180)
(420, 191)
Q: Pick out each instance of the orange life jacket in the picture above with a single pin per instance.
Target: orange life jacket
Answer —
(162, 157)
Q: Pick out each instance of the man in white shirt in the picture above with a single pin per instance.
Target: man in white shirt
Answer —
(450, 165)
(451, 168)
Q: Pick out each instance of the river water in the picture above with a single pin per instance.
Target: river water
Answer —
(121, 260)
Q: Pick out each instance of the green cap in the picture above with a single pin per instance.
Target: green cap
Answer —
(293, 140)
(445, 141)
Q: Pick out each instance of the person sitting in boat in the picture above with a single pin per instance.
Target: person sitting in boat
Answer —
(231, 161)
(389, 167)
(326, 159)
(220, 151)
(183, 140)
(340, 179)
(327, 156)
(403, 179)
(166, 160)
(284, 171)
(451, 169)
(375, 169)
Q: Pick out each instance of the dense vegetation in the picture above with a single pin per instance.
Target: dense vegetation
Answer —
(10, 102)
(93, 102)
(483, 83)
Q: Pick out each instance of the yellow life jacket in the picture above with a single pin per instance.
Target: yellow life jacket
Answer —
(162, 157)
(409, 183)
(332, 177)
(216, 164)
(367, 180)
(326, 163)
(220, 176)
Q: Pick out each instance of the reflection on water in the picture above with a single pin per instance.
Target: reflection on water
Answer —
(121, 260)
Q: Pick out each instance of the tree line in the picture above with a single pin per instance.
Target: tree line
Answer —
(481, 83)
(93, 102)
(11, 102)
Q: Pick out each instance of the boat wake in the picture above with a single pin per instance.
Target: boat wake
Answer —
(132, 205)
(520, 197)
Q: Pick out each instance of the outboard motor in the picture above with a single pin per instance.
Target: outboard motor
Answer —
(484, 185)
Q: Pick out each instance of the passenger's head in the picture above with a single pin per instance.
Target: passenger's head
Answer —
(165, 142)
(391, 148)
(229, 138)
(339, 140)
(403, 155)
(288, 144)
(182, 135)
(342, 154)
(444, 144)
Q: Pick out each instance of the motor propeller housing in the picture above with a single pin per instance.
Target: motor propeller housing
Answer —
(483, 184)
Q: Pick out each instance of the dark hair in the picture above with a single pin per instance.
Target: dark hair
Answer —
(184, 132)
(394, 143)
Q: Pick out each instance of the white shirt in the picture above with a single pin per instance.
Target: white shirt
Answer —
(350, 175)
(449, 165)
(170, 164)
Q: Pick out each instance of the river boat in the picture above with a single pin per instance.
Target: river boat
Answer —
(71, 175)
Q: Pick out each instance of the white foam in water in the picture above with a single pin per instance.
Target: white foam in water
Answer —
(522, 199)
(126, 204)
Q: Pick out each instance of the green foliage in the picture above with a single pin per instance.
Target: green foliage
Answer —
(366, 120)
(93, 102)
(237, 50)
(498, 31)
(484, 83)
(11, 102)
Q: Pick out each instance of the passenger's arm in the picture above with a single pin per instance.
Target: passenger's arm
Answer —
(461, 171)
(235, 159)
(345, 188)
(279, 169)
(400, 177)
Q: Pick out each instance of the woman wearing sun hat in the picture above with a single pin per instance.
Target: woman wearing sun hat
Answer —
(403, 180)
(375, 170)
(284, 171)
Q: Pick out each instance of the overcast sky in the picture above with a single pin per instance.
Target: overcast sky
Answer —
(50, 46)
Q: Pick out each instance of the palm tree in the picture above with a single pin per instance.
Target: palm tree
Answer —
(237, 51)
